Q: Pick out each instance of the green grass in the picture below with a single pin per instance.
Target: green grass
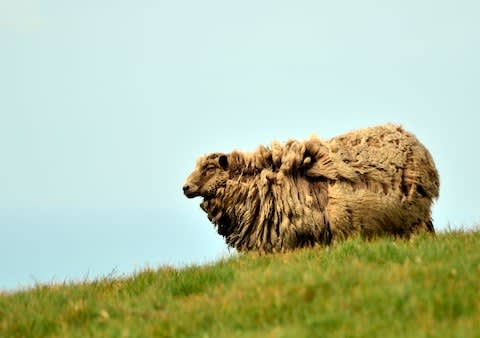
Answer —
(422, 287)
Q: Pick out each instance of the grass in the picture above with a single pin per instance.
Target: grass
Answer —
(422, 287)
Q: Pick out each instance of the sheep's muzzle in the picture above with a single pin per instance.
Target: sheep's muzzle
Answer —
(190, 191)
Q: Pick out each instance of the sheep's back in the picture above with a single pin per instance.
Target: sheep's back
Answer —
(384, 158)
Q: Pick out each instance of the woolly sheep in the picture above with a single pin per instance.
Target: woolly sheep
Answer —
(369, 182)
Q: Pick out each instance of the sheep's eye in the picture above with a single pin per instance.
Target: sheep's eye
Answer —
(208, 169)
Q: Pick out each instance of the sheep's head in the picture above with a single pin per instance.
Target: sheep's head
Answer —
(210, 174)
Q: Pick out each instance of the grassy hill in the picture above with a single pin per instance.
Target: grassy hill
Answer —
(422, 287)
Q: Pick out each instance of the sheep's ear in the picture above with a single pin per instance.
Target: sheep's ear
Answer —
(223, 161)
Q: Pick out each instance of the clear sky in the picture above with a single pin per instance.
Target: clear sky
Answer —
(105, 106)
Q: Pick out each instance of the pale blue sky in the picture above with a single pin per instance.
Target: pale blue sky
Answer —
(105, 106)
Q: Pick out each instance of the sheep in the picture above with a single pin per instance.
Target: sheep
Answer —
(368, 182)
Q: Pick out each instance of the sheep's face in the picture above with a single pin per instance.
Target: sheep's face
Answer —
(209, 174)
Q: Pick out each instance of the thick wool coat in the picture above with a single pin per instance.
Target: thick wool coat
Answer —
(368, 182)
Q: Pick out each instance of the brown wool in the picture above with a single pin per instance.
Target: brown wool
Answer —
(368, 182)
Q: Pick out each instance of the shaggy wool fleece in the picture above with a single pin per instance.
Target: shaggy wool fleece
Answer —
(368, 182)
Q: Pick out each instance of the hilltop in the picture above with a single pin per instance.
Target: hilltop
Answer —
(422, 287)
